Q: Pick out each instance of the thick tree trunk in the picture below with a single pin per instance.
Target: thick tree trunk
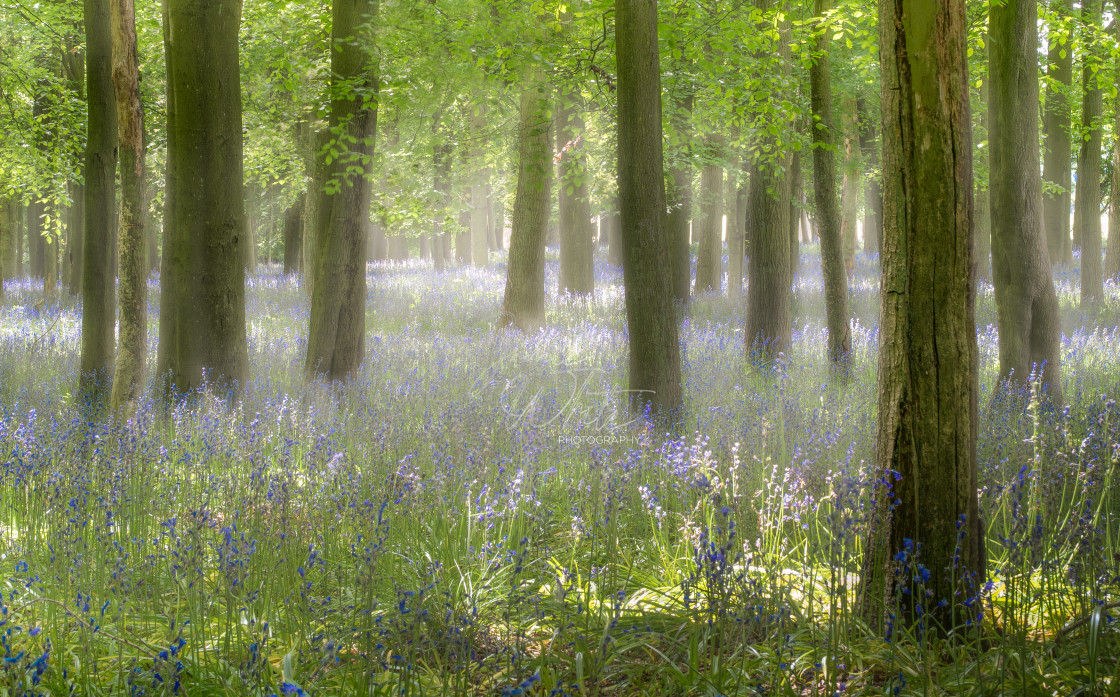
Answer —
(1087, 202)
(927, 512)
(709, 266)
(577, 261)
(523, 303)
(202, 290)
(128, 380)
(293, 236)
(651, 321)
(680, 202)
(1056, 136)
(316, 207)
(336, 336)
(1027, 307)
(828, 212)
(98, 287)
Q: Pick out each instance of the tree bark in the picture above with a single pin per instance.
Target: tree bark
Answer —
(849, 194)
(479, 250)
(794, 215)
(1087, 201)
(293, 236)
(1027, 307)
(828, 212)
(1056, 137)
(734, 227)
(709, 266)
(523, 303)
(98, 284)
(128, 380)
(983, 225)
(872, 192)
(7, 238)
(680, 201)
(202, 290)
(651, 322)
(927, 513)
(577, 262)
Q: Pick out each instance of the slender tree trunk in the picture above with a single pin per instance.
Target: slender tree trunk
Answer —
(828, 211)
(680, 201)
(479, 254)
(577, 261)
(872, 193)
(849, 195)
(98, 287)
(709, 274)
(336, 336)
(1027, 307)
(491, 232)
(614, 236)
(735, 253)
(983, 225)
(293, 236)
(1056, 135)
(35, 241)
(128, 380)
(316, 208)
(7, 249)
(1087, 204)
(202, 289)
(523, 303)
(651, 321)
(20, 227)
(441, 183)
(794, 215)
(927, 513)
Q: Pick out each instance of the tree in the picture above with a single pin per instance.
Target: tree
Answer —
(928, 358)
(577, 261)
(202, 285)
(679, 215)
(131, 354)
(523, 303)
(98, 301)
(651, 321)
(1027, 306)
(824, 193)
(1087, 199)
(336, 336)
(709, 254)
(1055, 132)
(293, 236)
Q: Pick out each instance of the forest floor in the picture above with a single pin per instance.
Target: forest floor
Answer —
(474, 514)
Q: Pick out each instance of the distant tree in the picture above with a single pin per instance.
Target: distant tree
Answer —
(982, 227)
(679, 216)
(336, 337)
(928, 358)
(523, 302)
(1027, 307)
(709, 253)
(1087, 198)
(128, 380)
(202, 285)
(827, 201)
(1055, 132)
(577, 261)
(1112, 254)
(98, 283)
(651, 322)
(293, 236)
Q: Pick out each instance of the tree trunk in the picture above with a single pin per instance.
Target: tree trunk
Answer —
(202, 291)
(35, 241)
(128, 380)
(316, 208)
(336, 336)
(441, 183)
(293, 236)
(872, 192)
(651, 321)
(734, 227)
(680, 201)
(1027, 307)
(849, 195)
(828, 212)
(523, 303)
(983, 226)
(928, 359)
(794, 215)
(709, 271)
(98, 284)
(614, 236)
(1056, 135)
(479, 252)
(7, 237)
(1087, 201)
(577, 261)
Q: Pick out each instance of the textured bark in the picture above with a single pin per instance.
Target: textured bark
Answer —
(98, 287)
(316, 207)
(849, 194)
(336, 336)
(982, 227)
(479, 252)
(1027, 306)
(709, 266)
(1056, 136)
(651, 322)
(293, 236)
(828, 212)
(927, 513)
(523, 303)
(680, 202)
(202, 285)
(734, 227)
(794, 215)
(1087, 201)
(577, 262)
(128, 380)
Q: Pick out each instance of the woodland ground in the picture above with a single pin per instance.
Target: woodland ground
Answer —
(438, 527)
